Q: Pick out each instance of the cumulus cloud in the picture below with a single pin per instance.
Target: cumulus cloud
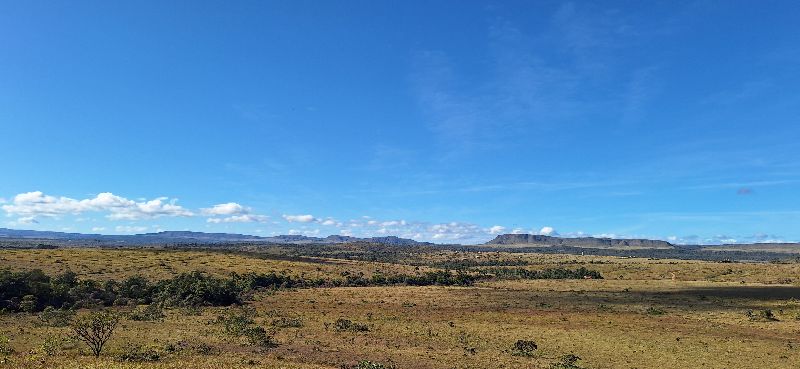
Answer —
(235, 212)
(230, 208)
(329, 222)
(27, 220)
(305, 232)
(497, 229)
(548, 231)
(37, 204)
(130, 229)
(244, 218)
(308, 218)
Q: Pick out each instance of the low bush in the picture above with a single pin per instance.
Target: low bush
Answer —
(366, 364)
(57, 317)
(568, 361)
(524, 348)
(241, 324)
(5, 346)
(138, 354)
(553, 273)
(201, 348)
(235, 323)
(258, 336)
(346, 325)
(150, 313)
(53, 345)
(284, 322)
(765, 315)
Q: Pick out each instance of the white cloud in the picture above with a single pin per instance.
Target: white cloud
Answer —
(36, 203)
(2, 200)
(230, 208)
(392, 223)
(299, 218)
(548, 231)
(245, 218)
(130, 229)
(328, 222)
(98, 229)
(27, 220)
(150, 209)
(497, 229)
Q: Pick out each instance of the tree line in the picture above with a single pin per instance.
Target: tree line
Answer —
(33, 290)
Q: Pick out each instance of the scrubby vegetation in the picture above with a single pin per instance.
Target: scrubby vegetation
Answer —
(201, 309)
(568, 361)
(552, 273)
(346, 325)
(31, 291)
(524, 348)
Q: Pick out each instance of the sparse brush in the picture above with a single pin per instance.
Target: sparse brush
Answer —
(150, 313)
(138, 354)
(568, 361)
(56, 317)
(764, 315)
(285, 322)
(346, 325)
(524, 348)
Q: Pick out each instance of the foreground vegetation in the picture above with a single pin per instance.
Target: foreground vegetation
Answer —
(204, 309)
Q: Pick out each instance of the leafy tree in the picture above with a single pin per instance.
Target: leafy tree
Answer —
(95, 330)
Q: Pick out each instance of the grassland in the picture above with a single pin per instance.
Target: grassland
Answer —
(643, 314)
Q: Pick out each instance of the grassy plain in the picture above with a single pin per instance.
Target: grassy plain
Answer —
(644, 314)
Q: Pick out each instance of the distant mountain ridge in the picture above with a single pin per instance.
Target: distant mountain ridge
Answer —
(198, 237)
(592, 242)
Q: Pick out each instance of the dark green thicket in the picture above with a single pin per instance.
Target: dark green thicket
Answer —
(554, 273)
(32, 291)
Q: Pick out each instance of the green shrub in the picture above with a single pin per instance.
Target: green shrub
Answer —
(52, 345)
(28, 303)
(366, 364)
(346, 325)
(524, 348)
(150, 313)
(285, 322)
(765, 315)
(5, 346)
(568, 361)
(258, 336)
(655, 311)
(242, 324)
(235, 323)
(56, 317)
(138, 354)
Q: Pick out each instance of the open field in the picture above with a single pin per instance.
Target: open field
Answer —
(638, 316)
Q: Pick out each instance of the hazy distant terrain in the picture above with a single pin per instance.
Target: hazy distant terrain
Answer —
(508, 242)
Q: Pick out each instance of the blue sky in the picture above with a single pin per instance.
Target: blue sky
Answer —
(447, 121)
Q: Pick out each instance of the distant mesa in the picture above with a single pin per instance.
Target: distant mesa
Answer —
(588, 242)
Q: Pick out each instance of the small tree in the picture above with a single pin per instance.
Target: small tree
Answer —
(95, 330)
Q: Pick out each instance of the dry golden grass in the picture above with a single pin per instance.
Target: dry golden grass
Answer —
(638, 317)
(102, 264)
